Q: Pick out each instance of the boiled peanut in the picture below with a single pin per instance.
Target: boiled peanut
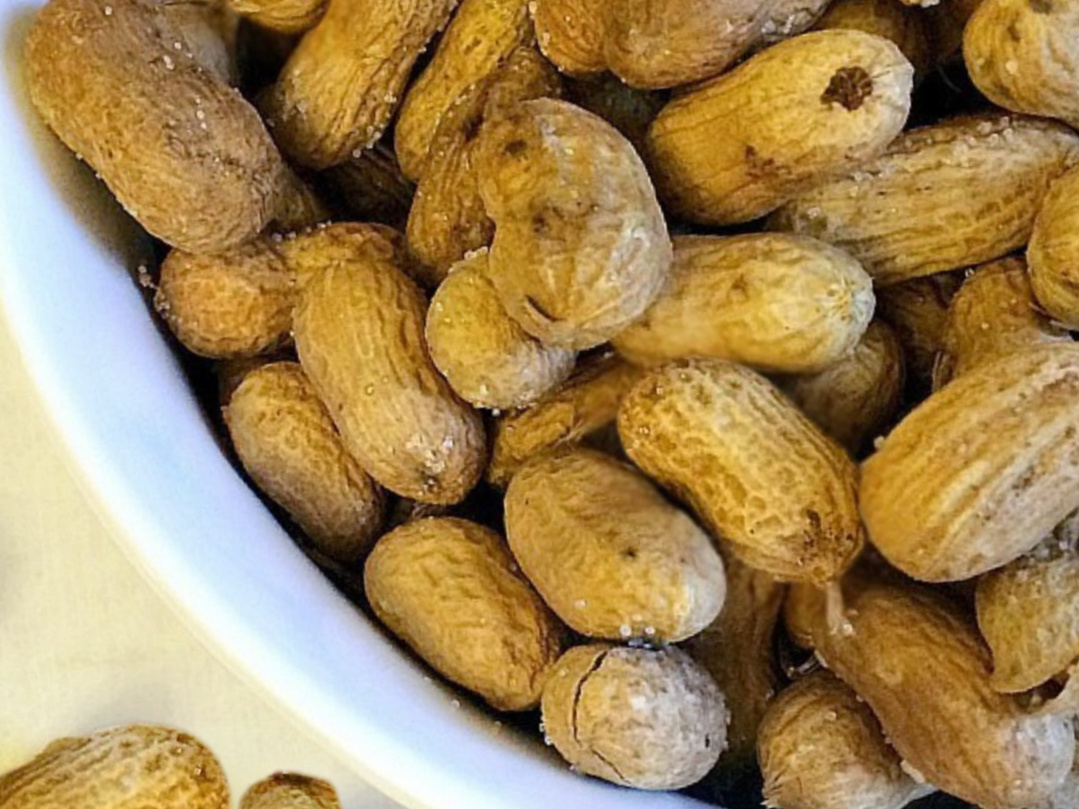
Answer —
(608, 553)
(772, 303)
(955, 194)
(727, 152)
(650, 719)
(581, 246)
(286, 790)
(570, 33)
(450, 590)
(903, 25)
(283, 16)
(981, 471)
(755, 470)
(1053, 251)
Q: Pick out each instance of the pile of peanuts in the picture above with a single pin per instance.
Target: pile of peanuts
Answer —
(566, 335)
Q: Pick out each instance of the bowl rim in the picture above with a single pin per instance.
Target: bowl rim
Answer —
(193, 549)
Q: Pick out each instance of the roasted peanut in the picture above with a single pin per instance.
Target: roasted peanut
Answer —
(754, 469)
(804, 111)
(583, 407)
(571, 32)
(121, 768)
(342, 84)
(450, 590)
(581, 246)
(286, 441)
(737, 649)
(359, 335)
(485, 356)
(854, 400)
(907, 646)
(608, 553)
(956, 194)
(651, 719)
(285, 790)
(180, 149)
(820, 747)
(1024, 56)
(993, 314)
(776, 304)
(981, 471)
(903, 25)
(1054, 249)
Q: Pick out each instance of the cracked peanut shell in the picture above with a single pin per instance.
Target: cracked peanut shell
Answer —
(643, 718)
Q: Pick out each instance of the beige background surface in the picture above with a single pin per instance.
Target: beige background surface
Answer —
(85, 643)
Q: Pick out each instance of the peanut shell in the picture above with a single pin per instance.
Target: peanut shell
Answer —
(981, 471)
(649, 719)
(570, 33)
(450, 589)
(955, 194)
(724, 153)
(1053, 252)
(285, 790)
(918, 311)
(282, 16)
(485, 356)
(903, 25)
(608, 553)
(776, 304)
(581, 246)
(756, 471)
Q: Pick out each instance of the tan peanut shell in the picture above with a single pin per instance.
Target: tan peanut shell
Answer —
(481, 36)
(1024, 56)
(450, 589)
(448, 218)
(918, 311)
(802, 608)
(855, 399)
(285, 790)
(129, 767)
(341, 86)
(300, 206)
(570, 33)
(820, 747)
(581, 246)
(1028, 612)
(609, 554)
(919, 664)
(583, 407)
(208, 29)
(282, 16)
(485, 356)
(755, 470)
(627, 109)
(287, 442)
(359, 335)
(726, 152)
(955, 194)
(656, 44)
(737, 649)
(226, 305)
(181, 150)
(371, 187)
(644, 718)
(1053, 252)
(768, 301)
(788, 18)
(993, 314)
(903, 25)
(981, 471)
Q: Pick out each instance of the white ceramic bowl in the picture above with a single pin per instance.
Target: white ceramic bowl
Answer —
(146, 456)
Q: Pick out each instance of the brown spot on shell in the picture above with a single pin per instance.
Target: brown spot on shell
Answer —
(850, 87)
